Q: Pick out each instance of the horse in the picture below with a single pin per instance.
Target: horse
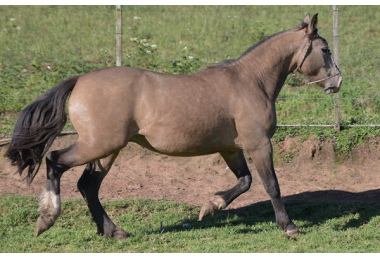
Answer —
(226, 108)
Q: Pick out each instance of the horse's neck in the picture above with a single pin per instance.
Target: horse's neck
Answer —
(267, 65)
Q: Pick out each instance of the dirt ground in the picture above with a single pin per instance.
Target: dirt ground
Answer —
(306, 171)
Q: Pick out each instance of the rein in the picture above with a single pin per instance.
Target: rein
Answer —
(307, 81)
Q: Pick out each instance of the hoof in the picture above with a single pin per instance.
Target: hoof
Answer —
(207, 209)
(291, 230)
(120, 234)
(44, 223)
(117, 233)
(216, 204)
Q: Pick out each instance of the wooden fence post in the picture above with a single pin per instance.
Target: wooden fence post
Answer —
(119, 35)
(336, 58)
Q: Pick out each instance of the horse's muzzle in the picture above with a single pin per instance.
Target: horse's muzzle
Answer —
(334, 89)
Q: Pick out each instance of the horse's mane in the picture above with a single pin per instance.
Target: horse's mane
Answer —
(227, 63)
(300, 27)
(224, 63)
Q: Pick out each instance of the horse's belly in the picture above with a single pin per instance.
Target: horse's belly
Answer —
(188, 142)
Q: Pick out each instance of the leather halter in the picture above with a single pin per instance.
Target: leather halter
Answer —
(307, 81)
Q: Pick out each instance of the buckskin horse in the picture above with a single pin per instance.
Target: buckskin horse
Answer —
(225, 108)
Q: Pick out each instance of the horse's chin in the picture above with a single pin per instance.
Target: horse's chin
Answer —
(330, 90)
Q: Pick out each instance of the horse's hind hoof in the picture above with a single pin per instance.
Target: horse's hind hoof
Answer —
(43, 224)
(120, 234)
(291, 230)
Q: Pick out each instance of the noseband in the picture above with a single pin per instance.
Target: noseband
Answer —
(307, 81)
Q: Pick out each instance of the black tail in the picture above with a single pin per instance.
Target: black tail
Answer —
(37, 126)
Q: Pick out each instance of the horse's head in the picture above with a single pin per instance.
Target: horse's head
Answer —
(316, 61)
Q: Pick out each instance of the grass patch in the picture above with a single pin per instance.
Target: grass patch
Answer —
(42, 45)
(326, 227)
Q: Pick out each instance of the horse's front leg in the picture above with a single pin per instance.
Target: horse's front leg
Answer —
(236, 162)
(262, 156)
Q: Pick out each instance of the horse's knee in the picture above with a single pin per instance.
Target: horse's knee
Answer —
(244, 183)
(273, 190)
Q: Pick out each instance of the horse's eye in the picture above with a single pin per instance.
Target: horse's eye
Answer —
(325, 50)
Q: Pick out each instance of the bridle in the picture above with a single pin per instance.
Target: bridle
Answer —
(307, 81)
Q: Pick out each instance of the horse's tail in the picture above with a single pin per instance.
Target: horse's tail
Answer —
(37, 126)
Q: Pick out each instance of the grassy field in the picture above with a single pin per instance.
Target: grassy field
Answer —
(326, 227)
(42, 45)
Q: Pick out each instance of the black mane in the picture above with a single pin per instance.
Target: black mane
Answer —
(300, 27)
(226, 63)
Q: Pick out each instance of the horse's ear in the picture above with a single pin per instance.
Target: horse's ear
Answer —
(313, 24)
(307, 19)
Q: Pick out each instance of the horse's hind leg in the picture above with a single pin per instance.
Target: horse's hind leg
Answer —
(50, 202)
(236, 162)
(57, 162)
(89, 185)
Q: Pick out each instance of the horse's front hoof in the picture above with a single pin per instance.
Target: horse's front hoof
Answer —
(216, 203)
(207, 209)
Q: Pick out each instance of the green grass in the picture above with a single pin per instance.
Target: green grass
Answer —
(326, 227)
(42, 45)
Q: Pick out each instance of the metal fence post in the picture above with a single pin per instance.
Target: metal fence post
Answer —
(119, 35)
(336, 58)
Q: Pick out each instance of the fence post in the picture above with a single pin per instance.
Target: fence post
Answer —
(119, 35)
(336, 58)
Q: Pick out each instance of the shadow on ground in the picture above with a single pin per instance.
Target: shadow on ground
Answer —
(312, 208)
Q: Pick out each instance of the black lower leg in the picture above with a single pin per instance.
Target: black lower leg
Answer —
(242, 186)
(236, 162)
(263, 160)
(89, 185)
(282, 218)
